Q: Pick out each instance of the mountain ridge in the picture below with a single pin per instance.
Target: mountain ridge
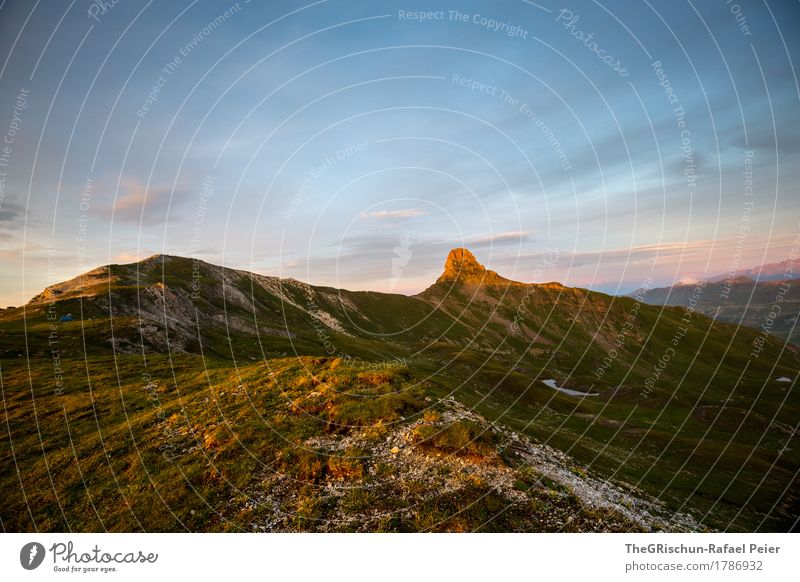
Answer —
(741, 300)
(779, 271)
(581, 371)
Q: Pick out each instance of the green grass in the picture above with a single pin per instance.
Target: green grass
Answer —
(738, 466)
(461, 437)
(713, 436)
(175, 444)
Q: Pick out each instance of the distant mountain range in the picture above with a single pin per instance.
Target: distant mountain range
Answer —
(180, 395)
(765, 298)
(782, 271)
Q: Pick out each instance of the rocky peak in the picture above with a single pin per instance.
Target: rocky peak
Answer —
(462, 266)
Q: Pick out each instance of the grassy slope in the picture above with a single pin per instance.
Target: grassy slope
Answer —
(716, 435)
(178, 444)
(743, 302)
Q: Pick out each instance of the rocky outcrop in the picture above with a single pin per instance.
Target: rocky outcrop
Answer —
(461, 266)
(542, 485)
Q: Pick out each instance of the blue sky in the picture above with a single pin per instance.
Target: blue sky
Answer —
(352, 144)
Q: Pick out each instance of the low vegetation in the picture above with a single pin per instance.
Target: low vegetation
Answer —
(273, 405)
(288, 445)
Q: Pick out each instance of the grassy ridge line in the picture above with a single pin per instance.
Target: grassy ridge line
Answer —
(713, 404)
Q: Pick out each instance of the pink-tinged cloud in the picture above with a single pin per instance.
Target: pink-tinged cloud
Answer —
(137, 202)
(717, 253)
(393, 214)
(668, 262)
(125, 257)
(498, 237)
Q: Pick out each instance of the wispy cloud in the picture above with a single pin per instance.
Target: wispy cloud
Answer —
(498, 238)
(641, 252)
(722, 247)
(671, 261)
(131, 257)
(150, 205)
(11, 211)
(393, 214)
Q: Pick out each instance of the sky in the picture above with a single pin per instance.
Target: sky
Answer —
(354, 143)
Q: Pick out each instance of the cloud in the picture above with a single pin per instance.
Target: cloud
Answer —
(393, 214)
(663, 251)
(124, 257)
(687, 281)
(677, 261)
(11, 211)
(150, 205)
(32, 251)
(784, 139)
(498, 238)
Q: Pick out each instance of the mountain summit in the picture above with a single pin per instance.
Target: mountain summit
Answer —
(462, 266)
(377, 391)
